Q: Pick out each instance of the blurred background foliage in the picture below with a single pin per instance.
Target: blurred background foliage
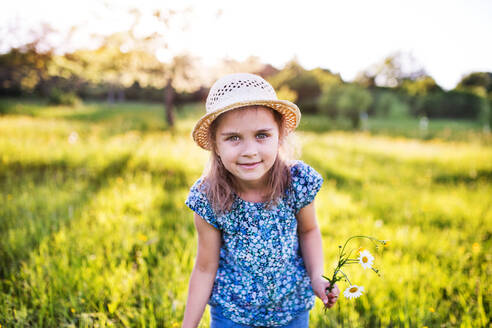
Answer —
(109, 74)
(114, 72)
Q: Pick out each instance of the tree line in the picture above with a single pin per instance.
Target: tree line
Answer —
(405, 94)
(108, 72)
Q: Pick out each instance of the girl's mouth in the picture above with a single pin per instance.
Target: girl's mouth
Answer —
(249, 165)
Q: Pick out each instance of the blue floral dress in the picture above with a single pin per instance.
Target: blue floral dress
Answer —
(261, 279)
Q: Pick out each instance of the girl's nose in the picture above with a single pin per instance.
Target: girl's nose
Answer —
(250, 148)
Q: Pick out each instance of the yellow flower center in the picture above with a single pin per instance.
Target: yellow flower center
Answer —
(364, 259)
(353, 289)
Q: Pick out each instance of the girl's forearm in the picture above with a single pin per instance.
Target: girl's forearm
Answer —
(200, 288)
(312, 252)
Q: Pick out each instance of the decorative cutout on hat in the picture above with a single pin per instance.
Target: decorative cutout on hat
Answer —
(226, 91)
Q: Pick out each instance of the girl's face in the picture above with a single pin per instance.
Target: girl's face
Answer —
(247, 142)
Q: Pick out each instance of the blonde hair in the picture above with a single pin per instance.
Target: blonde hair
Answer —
(221, 186)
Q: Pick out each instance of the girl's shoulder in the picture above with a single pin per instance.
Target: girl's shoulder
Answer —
(198, 202)
(300, 170)
(305, 184)
(198, 193)
(199, 186)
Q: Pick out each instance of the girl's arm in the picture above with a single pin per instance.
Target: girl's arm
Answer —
(203, 274)
(312, 253)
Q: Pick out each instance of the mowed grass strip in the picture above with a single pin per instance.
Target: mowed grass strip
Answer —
(96, 233)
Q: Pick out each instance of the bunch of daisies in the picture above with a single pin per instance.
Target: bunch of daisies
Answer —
(365, 259)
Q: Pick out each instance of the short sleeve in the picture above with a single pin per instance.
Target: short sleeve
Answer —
(198, 202)
(306, 183)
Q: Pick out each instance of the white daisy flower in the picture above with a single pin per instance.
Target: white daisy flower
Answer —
(366, 259)
(353, 291)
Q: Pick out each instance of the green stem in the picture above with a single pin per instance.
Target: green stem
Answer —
(346, 277)
(360, 236)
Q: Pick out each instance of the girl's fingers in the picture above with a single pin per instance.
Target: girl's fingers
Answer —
(332, 299)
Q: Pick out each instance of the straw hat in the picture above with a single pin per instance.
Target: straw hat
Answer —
(238, 90)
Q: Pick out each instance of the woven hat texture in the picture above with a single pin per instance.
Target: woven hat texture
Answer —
(240, 90)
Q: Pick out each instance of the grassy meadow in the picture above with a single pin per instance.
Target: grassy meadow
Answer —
(95, 233)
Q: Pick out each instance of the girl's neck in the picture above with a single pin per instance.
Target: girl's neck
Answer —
(252, 192)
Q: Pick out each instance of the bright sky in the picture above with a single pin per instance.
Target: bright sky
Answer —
(449, 38)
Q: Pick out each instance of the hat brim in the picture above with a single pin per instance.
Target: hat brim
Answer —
(289, 110)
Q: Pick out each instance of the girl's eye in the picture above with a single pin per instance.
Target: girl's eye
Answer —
(262, 136)
(233, 138)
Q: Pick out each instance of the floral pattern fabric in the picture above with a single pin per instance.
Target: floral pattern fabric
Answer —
(261, 279)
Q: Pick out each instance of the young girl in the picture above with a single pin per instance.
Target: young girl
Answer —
(260, 258)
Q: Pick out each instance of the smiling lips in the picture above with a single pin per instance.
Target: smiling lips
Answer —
(249, 165)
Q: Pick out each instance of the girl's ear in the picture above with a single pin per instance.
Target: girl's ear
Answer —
(214, 149)
(281, 137)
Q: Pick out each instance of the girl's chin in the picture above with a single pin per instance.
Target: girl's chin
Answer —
(252, 178)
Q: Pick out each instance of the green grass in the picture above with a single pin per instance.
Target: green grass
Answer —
(95, 232)
(443, 129)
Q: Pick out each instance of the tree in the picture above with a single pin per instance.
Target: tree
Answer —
(452, 104)
(476, 79)
(328, 101)
(130, 56)
(353, 101)
(389, 104)
(296, 78)
(179, 70)
(25, 69)
(177, 76)
(420, 86)
(480, 85)
(365, 79)
(307, 85)
(123, 58)
(326, 79)
(391, 71)
(346, 100)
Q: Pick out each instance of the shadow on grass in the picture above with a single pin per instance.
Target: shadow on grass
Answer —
(122, 118)
(348, 177)
(12, 257)
(478, 176)
(342, 181)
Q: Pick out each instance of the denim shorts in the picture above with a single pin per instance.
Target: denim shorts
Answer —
(219, 321)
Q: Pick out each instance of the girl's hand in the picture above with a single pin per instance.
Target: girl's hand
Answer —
(333, 296)
(320, 286)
